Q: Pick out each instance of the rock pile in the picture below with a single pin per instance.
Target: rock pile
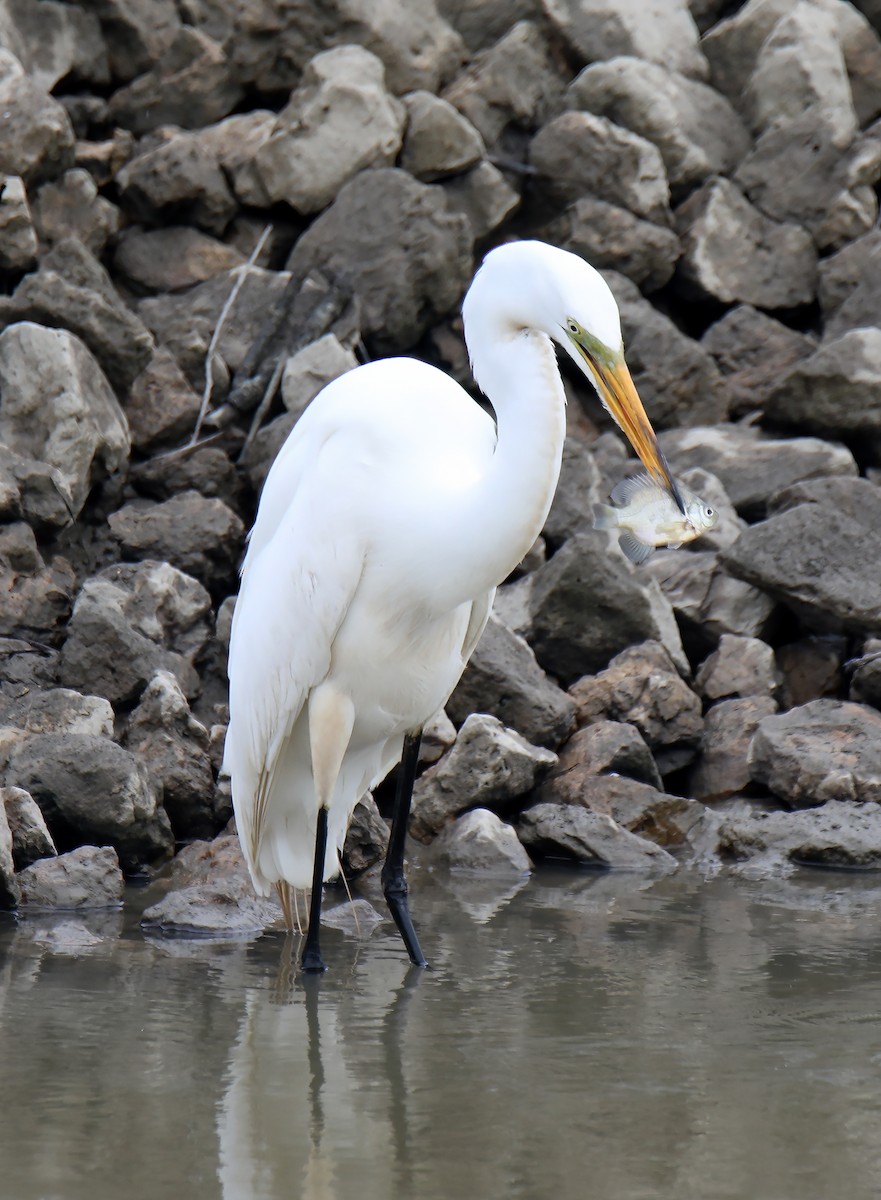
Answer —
(208, 212)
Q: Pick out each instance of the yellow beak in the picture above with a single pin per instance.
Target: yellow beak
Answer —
(621, 398)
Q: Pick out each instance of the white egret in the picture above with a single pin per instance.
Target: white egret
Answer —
(392, 512)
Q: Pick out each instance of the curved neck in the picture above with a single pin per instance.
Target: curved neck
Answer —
(490, 527)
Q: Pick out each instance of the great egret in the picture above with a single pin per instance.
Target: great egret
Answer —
(392, 512)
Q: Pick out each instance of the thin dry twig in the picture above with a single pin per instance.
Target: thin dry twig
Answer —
(263, 406)
(241, 275)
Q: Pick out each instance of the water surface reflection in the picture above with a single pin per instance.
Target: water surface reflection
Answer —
(582, 1036)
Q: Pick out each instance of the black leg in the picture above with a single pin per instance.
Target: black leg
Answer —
(312, 960)
(394, 885)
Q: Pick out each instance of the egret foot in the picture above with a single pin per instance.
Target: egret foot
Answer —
(394, 887)
(312, 960)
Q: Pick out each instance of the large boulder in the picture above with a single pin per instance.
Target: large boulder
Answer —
(661, 31)
(591, 839)
(88, 877)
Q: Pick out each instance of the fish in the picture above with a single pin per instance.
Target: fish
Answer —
(647, 516)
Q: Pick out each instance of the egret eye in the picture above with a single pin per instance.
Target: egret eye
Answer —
(573, 326)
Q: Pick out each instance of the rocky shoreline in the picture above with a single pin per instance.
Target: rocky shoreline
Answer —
(208, 212)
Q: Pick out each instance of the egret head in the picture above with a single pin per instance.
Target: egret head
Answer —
(542, 287)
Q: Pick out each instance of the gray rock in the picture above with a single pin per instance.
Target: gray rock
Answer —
(587, 604)
(865, 675)
(137, 35)
(858, 499)
(176, 175)
(602, 748)
(661, 31)
(58, 710)
(753, 352)
(38, 139)
(31, 839)
(200, 536)
(10, 891)
(173, 746)
(503, 678)
(579, 487)
(207, 470)
(85, 878)
(340, 120)
(641, 685)
(129, 622)
(171, 259)
(394, 243)
(72, 291)
(752, 466)
(805, 558)
(53, 41)
(835, 392)
(479, 841)
(18, 240)
(723, 769)
(578, 153)
(90, 789)
(482, 22)
(489, 766)
(233, 144)
(161, 408)
(849, 289)
(695, 128)
(366, 838)
(311, 369)
(483, 195)
(825, 750)
(36, 597)
(33, 490)
(612, 238)
(190, 85)
(739, 666)
(642, 809)
(812, 667)
(510, 88)
(678, 381)
(592, 839)
(438, 141)
(71, 206)
(732, 253)
(211, 894)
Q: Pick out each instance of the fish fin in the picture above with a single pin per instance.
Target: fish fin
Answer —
(637, 551)
(622, 493)
(604, 517)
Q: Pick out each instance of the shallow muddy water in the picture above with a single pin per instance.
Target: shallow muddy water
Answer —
(583, 1036)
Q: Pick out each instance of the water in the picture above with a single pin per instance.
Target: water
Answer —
(583, 1036)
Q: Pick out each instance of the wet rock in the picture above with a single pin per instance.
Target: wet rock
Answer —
(190, 85)
(723, 768)
(479, 841)
(340, 120)
(161, 408)
(805, 558)
(510, 88)
(677, 380)
(71, 206)
(72, 291)
(18, 240)
(503, 678)
(37, 597)
(641, 685)
(394, 243)
(366, 838)
(172, 259)
(751, 465)
(578, 153)
(38, 138)
(660, 32)
(72, 938)
(59, 409)
(53, 41)
(739, 666)
(85, 878)
(732, 253)
(483, 195)
(489, 766)
(176, 176)
(611, 237)
(587, 604)
(173, 745)
(439, 141)
(592, 839)
(200, 536)
(835, 392)
(129, 622)
(603, 748)
(90, 789)
(695, 128)
(31, 839)
(311, 369)
(57, 710)
(641, 808)
(211, 893)
(811, 668)
(753, 352)
(825, 750)
(10, 891)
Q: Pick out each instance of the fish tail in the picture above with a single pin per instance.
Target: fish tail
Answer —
(604, 517)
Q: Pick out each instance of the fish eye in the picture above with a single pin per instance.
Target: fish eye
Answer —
(708, 512)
